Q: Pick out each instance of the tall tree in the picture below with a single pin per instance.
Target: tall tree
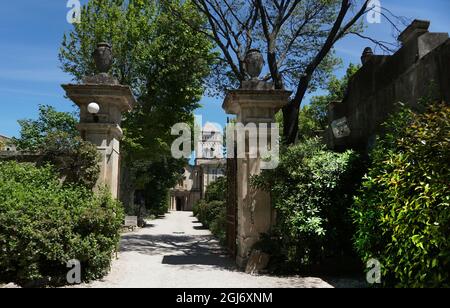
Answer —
(297, 36)
(34, 133)
(163, 61)
(314, 117)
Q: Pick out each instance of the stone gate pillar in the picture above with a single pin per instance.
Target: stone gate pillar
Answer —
(256, 102)
(102, 100)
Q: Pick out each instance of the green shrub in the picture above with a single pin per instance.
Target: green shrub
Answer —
(312, 191)
(217, 191)
(213, 215)
(55, 137)
(44, 224)
(207, 212)
(196, 208)
(402, 213)
(77, 161)
(212, 211)
(219, 225)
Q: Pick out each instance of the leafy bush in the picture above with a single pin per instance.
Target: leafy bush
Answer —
(212, 212)
(218, 226)
(312, 191)
(402, 213)
(212, 215)
(217, 191)
(76, 161)
(207, 212)
(55, 137)
(44, 224)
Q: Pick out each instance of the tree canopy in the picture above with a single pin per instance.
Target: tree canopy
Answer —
(34, 133)
(163, 61)
(297, 37)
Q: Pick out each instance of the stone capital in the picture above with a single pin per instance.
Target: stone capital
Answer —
(113, 130)
(117, 95)
(257, 105)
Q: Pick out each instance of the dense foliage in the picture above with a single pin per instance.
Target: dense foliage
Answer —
(44, 224)
(150, 180)
(314, 117)
(54, 137)
(403, 210)
(165, 63)
(217, 191)
(312, 191)
(34, 133)
(212, 211)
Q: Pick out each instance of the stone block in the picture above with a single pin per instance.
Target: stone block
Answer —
(257, 262)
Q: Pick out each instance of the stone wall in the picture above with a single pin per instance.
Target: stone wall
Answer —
(20, 157)
(6, 145)
(420, 68)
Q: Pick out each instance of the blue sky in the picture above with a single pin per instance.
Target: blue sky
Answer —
(31, 32)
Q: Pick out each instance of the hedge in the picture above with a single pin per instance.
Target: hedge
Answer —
(402, 213)
(212, 211)
(44, 224)
(312, 191)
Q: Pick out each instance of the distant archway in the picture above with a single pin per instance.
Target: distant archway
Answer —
(179, 204)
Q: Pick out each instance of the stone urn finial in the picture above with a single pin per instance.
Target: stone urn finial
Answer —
(366, 55)
(103, 57)
(254, 63)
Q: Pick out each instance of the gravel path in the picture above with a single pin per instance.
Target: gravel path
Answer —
(176, 252)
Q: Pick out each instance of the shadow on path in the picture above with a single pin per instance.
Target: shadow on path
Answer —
(179, 249)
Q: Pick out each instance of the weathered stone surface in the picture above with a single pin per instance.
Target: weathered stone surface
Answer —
(257, 85)
(254, 63)
(257, 262)
(255, 214)
(420, 66)
(103, 57)
(101, 78)
(415, 29)
(103, 128)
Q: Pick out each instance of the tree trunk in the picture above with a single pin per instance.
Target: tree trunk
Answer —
(290, 119)
(291, 112)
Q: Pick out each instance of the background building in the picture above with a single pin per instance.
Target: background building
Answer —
(209, 166)
(6, 145)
